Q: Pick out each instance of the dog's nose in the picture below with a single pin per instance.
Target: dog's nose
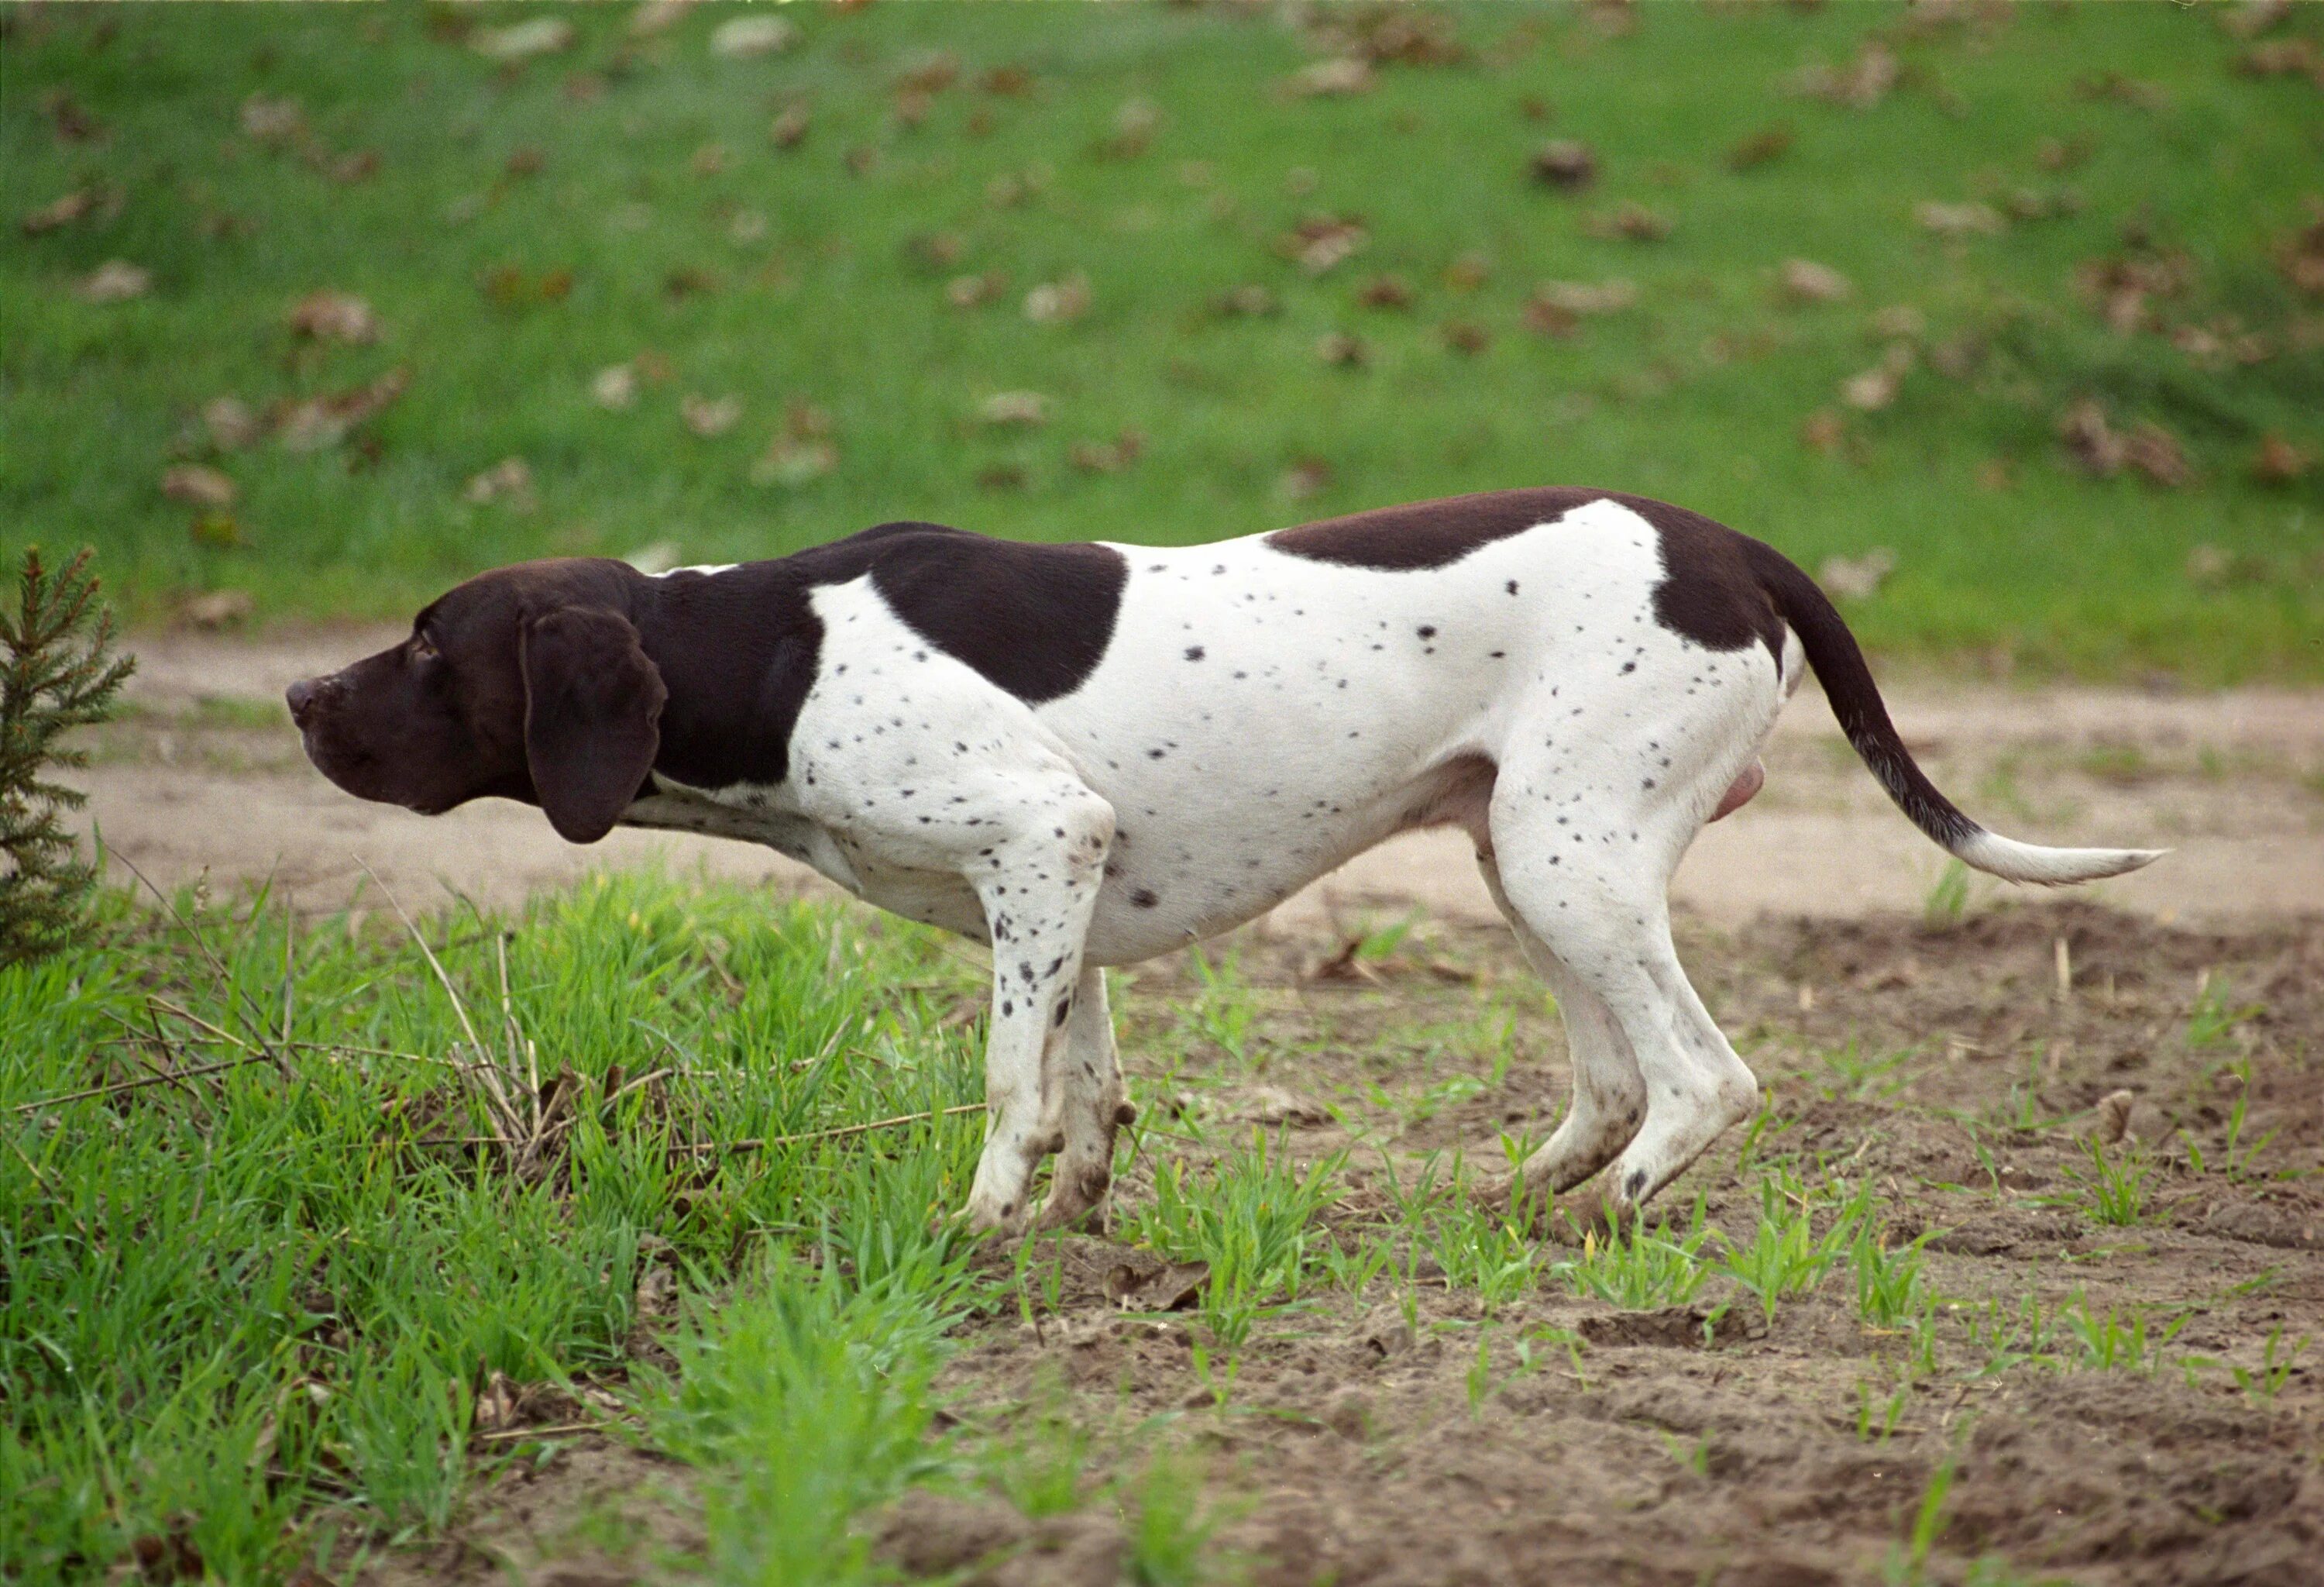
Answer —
(300, 698)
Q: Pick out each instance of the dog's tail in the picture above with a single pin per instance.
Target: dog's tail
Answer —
(1856, 701)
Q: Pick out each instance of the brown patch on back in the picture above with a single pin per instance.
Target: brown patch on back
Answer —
(1710, 592)
(1428, 534)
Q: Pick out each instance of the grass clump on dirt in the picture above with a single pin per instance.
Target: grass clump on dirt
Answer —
(2010, 311)
(295, 1256)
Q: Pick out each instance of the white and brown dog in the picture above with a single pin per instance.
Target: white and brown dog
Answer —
(1092, 754)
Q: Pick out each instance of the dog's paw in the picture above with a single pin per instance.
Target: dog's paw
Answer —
(993, 1214)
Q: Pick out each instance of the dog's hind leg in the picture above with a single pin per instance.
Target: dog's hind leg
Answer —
(1591, 888)
(1609, 1097)
(1084, 1095)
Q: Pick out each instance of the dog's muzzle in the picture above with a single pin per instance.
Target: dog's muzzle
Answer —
(305, 696)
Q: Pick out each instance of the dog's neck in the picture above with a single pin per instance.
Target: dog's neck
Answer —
(736, 649)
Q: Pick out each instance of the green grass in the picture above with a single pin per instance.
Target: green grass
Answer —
(815, 278)
(266, 1298)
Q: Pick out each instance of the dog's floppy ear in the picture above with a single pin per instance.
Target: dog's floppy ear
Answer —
(592, 705)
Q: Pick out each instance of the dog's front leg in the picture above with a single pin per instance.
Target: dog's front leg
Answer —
(1038, 886)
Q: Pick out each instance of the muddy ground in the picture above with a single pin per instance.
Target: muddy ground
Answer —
(1356, 1449)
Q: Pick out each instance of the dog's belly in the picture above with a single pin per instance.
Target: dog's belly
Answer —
(1173, 880)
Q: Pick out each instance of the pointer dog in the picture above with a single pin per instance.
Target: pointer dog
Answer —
(1090, 754)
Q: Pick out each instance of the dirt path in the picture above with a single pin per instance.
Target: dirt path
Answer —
(206, 774)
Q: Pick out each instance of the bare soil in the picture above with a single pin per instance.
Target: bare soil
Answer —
(1357, 1447)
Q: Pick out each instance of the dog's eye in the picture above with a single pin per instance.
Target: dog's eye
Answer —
(423, 649)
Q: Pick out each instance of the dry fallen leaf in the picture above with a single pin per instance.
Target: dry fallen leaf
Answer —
(1058, 303)
(2091, 439)
(2301, 256)
(710, 159)
(1857, 578)
(1021, 410)
(1957, 220)
(2278, 461)
(1876, 387)
(1319, 241)
(1566, 163)
(231, 424)
(508, 480)
(789, 128)
(615, 386)
(1768, 143)
(1823, 431)
(1389, 291)
(794, 460)
(117, 280)
(1585, 299)
(1806, 282)
(273, 122)
(967, 291)
(1464, 337)
(657, 16)
(1107, 458)
(1632, 223)
(1860, 85)
(709, 415)
(198, 485)
(71, 122)
(1252, 301)
(495, 1406)
(60, 212)
(2156, 453)
(335, 317)
(2252, 18)
(1339, 349)
(170, 1556)
(309, 424)
(1304, 478)
(1468, 273)
(540, 35)
(2112, 1124)
(1134, 126)
(1348, 74)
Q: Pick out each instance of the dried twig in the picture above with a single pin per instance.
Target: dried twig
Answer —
(163, 1078)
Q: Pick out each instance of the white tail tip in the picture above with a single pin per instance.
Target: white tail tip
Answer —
(2013, 861)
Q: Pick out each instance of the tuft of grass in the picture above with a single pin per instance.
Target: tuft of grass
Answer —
(2216, 1016)
(1784, 1256)
(2236, 1153)
(1946, 899)
(1641, 1270)
(2113, 1340)
(1251, 1216)
(2113, 1187)
(806, 1397)
(1171, 1532)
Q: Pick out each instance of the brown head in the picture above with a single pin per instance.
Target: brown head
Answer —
(528, 682)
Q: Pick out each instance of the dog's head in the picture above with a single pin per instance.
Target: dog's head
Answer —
(530, 683)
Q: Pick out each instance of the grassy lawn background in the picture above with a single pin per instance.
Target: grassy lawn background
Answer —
(518, 228)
